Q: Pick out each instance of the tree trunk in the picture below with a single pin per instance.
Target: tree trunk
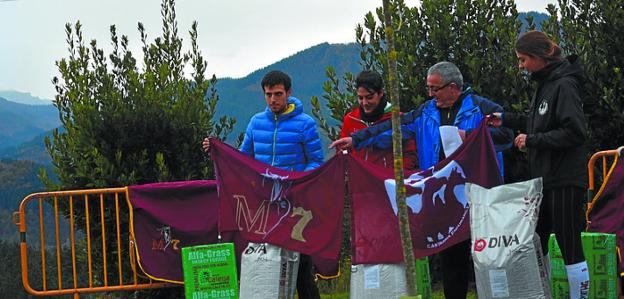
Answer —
(397, 149)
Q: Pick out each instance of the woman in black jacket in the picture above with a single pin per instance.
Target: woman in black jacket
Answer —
(553, 134)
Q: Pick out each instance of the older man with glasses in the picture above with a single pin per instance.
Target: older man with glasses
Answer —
(452, 104)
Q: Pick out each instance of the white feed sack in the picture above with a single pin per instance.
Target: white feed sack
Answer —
(504, 251)
(268, 271)
(379, 281)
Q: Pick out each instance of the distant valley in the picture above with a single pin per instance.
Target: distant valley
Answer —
(21, 122)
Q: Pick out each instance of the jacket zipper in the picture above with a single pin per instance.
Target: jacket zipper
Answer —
(274, 140)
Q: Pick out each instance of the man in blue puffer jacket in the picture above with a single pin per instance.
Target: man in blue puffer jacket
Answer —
(452, 104)
(284, 136)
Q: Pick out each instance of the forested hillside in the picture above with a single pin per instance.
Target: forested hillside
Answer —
(20, 122)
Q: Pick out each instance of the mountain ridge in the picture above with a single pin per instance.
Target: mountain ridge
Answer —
(24, 98)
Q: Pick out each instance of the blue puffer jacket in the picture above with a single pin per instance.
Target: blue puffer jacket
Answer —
(423, 125)
(287, 141)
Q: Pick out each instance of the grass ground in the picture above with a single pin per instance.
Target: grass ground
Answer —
(339, 289)
(437, 294)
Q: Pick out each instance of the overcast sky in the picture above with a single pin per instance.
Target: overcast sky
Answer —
(236, 37)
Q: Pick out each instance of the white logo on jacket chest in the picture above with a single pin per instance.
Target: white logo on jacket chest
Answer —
(543, 107)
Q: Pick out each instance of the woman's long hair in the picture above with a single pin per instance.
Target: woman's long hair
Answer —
(538, 44)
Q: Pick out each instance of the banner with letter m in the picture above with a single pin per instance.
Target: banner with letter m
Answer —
(299, 211)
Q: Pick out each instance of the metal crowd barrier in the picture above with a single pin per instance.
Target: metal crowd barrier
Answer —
(63, 243)
(608, 159)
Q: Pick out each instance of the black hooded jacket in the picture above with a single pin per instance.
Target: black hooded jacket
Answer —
(555, 125)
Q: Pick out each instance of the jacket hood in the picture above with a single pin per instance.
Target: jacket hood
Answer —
(466, 90)
(294, 107)
(568, 67)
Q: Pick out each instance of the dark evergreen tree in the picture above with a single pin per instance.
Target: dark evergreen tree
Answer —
(128, 124)
(476, 35)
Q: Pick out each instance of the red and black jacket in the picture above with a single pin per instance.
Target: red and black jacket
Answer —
(353, 122)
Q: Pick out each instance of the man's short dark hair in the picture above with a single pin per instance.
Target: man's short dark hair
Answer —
(273, 78)
(369, 80)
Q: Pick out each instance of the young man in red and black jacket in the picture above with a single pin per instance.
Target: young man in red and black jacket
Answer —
(374, 108)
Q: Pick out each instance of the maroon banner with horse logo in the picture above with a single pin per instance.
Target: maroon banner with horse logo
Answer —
(437, 206)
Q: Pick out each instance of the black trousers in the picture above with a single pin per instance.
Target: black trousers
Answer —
(561, 212)
(306, 286)
(455, 264)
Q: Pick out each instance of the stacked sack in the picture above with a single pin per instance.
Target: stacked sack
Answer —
(268, 271)
(378, 281)
(506, 251)
(388, 280)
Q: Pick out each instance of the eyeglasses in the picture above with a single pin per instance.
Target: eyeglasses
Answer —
(435, 89)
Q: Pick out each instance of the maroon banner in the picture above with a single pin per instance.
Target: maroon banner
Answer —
(437, 206)
(168, 216)
(606, 213)
(299, 211)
